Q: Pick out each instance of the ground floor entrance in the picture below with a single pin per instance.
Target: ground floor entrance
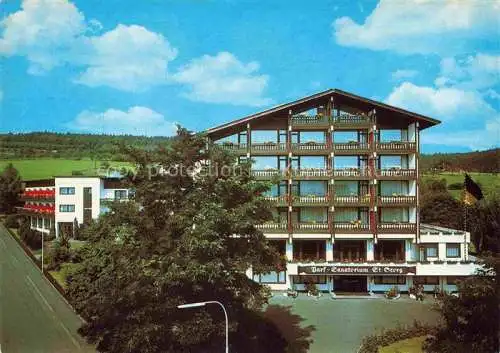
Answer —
(350, 284)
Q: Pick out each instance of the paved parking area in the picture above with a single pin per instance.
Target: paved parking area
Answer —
(338, 326)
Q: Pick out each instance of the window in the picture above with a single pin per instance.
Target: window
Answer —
(46, 223)
(389, 280)
(426, 280)
(431, 251)
(66, 208)
(313, 214)
(309, 188)
(66, 191)
(393, 188)
(270, 277)
(346, 188)
(120, 194)
(394, 215)
(452, 250)
(309, 279)
(39, 222)
(33, 222)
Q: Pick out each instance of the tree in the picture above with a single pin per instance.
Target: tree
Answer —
(439, 207)
(472, 319)
(484, 224)
(188, 236)
(10, 188)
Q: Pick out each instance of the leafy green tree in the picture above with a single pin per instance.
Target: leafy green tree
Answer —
(472, 319)
(484, 225)
(187, 236)
(10, 189)
(438, 206)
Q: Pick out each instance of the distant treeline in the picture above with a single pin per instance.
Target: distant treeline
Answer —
(481, 162)
(106, 147)
(72, 146)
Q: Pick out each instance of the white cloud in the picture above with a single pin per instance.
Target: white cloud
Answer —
(469, 119)
(473, 72)
(403, 74)
(45, 31)
(223, 79)
(129, 58)
(51, 33)
(423, 26)
(135, 121)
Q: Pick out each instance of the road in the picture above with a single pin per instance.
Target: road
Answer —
(34, 317)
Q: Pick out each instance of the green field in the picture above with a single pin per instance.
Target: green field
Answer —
(32, 169)
(411, 345)
(489, 182)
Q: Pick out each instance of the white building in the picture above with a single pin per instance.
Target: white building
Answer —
(58, 202)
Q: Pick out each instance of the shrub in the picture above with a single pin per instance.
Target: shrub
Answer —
(12, 221)
(392, 293)
(58, 255)
(372, 343)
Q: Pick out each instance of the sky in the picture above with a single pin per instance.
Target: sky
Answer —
(141, 67)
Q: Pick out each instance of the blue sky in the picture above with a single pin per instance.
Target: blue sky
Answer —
(141, 66)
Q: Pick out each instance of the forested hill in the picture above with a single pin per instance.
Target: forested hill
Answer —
(71, 146)
(481, 162)
(105, 147)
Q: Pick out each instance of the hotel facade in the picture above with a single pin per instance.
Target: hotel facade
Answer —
(58, 202)
(346, 195)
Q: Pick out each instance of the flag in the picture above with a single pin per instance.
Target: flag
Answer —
(472, 192)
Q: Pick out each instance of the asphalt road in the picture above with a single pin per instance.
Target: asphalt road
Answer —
(34, 318)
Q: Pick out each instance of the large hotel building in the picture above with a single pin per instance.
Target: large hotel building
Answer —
(346, 200)
(346, 213)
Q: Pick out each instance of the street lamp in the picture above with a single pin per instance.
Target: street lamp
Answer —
(195, 305)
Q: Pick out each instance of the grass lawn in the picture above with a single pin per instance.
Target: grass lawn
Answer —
(60, 276)
(45, 168)
(411, 345)
(490, 182)
(338, 326)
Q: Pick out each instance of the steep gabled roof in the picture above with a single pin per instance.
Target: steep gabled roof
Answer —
(386, 114)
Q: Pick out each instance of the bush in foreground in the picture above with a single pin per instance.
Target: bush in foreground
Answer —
(372, 343)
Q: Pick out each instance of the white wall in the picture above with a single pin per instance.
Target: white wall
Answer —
(77, 199)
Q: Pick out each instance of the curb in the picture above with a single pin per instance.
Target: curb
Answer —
(45, 274)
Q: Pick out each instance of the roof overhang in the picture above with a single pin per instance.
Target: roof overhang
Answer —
(387, 115)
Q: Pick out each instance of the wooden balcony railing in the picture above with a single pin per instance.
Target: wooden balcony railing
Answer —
(312, 199)
(309, 146)
(268, 146)
(350, 119)
(351, 146)
(351, 227)
(352, 200)
(396, 200)
(310, 172)
(396, 146)
(311, 227)
(303, 119)
(395, 227)
(396, 172)
(280, 200)
(273, 227)
(351, 172)
(230, 146)
(267, 173)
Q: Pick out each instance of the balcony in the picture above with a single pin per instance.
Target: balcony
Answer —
(267, 148)
(273, 227)
(351, 227)
(239, 148)
(350, 121)
(310, 148)
(36, 210)
(396, 147)
(38, 195)
(356, 200)
(311, 173)
(311, 200)
(396, 200)
(351, 148)
(277, 200)
(396, 173)
(267, 174)
(310, 227)
(352, 173)
(397, 227)
(312, 122)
